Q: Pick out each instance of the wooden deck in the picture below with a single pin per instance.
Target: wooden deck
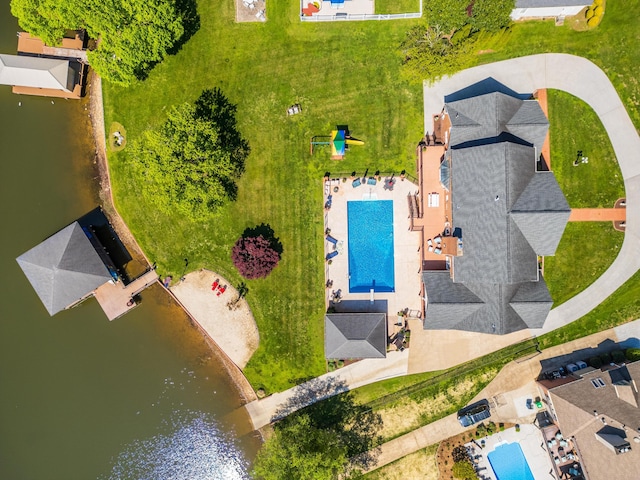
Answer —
(433, 216)
(70, 48)
(117, 299)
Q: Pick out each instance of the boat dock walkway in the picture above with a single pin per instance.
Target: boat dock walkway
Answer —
(116, 299)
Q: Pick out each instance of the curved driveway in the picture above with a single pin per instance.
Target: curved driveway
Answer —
(583, 79)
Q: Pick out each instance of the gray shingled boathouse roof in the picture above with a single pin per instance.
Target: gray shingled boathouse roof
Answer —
(64, 268)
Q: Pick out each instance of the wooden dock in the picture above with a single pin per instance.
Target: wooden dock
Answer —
(117, 299)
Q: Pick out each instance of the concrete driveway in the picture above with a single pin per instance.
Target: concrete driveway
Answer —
(583, 79)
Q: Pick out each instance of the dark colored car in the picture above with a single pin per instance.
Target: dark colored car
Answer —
(474, 413)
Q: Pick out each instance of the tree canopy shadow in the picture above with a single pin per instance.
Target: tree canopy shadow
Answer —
(265, 231)
(188, 11)
(330, 406)
(215, 107)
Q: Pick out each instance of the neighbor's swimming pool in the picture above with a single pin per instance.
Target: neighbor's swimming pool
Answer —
(508, 463)
(370, 246)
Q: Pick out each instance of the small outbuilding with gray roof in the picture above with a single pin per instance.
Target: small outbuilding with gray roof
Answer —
(355, 335)
(547, 8)
(36, 72)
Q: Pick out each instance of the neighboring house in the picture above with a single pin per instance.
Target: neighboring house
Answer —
(503, 212)
(66, 268)
(547, 8)
(355, 335)
(599, 412)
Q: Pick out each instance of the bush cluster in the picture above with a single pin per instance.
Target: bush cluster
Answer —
(594, 13)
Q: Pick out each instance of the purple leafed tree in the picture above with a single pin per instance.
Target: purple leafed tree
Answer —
(254, 257)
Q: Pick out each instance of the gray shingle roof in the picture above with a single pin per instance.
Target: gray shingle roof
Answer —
(552, 3)
(36, 72)
(355, 335)
(490, 115)
(483, 307)
(485, 180)
(64, 268)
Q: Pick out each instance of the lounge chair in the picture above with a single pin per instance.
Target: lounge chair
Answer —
(327, 205)
(221, 290)
(330, 239)
(372, 181)
(356, 183)
(437, 251)
(430, 242)
(331, 255)
(438, 239)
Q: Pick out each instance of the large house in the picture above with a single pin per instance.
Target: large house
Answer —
(503, 211)
(599, 411)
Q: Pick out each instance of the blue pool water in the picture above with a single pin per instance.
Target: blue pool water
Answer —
(508, 463)
(370, 246)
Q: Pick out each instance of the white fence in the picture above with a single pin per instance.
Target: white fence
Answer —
(344, 16)
(355, 16)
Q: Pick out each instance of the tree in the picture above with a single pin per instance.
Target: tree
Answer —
(334, 436)
(190, 164)
(300, 451)
(430, 53)
(254, 257)
(133, 34)
(491, 15)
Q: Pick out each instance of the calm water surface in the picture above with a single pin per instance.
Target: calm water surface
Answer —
(82, 397)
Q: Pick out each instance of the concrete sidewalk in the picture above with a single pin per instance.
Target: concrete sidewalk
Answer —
(263, 412)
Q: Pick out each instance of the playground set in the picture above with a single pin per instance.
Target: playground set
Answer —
(339, 141)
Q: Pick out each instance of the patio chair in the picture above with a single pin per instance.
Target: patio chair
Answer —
(356, 183)
(331, 255)
(430, 242)
(327, 205)
(371, 181)
(330, 239)
(437, 251)
(438, 239)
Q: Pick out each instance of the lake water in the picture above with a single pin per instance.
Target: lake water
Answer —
(82, 397)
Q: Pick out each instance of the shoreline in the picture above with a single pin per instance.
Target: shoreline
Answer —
(105, 195)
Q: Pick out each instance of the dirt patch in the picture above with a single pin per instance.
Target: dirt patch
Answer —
(117, 137)
(251, 11)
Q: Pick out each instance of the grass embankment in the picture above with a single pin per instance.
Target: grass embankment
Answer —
(421, 464)
(340, 73)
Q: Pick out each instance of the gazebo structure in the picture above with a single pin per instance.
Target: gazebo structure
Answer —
(355, 335)
(65, 268)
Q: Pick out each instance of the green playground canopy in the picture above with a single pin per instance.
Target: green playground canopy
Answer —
(338, 143)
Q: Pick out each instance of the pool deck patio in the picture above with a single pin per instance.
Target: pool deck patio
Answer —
(406, 244)
(530, 440)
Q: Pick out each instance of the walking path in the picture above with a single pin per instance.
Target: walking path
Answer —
(513, 385)
(278, 405)
(598, 215)
(583, 79)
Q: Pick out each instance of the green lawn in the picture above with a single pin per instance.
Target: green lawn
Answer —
(591, 245)
(400, 6)
(340, 73)
(575, 126)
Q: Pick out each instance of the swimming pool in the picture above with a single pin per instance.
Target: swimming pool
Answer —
(508, 463)
(370, 246)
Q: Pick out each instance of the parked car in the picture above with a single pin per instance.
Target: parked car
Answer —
(474, 413)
